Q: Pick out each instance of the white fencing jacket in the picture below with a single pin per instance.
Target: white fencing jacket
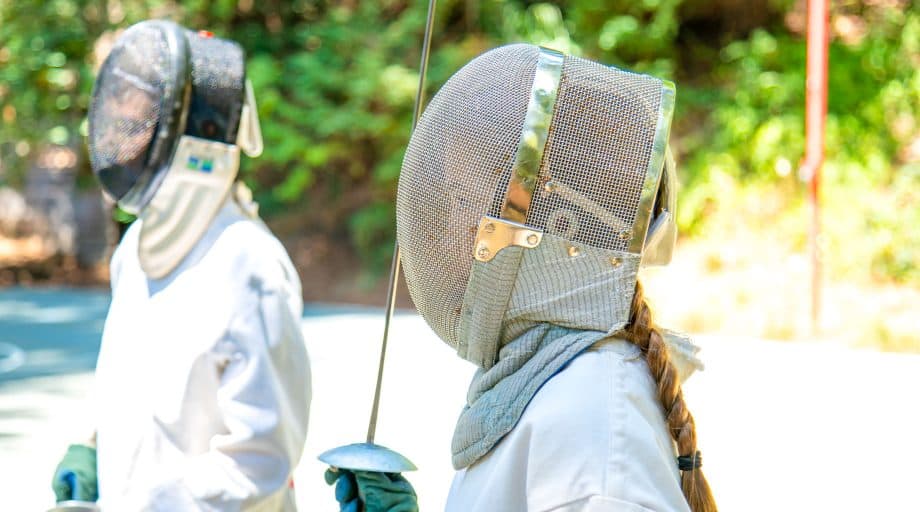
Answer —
(203, 380)
(592, 439)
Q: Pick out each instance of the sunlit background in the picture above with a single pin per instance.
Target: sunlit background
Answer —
(335, 81)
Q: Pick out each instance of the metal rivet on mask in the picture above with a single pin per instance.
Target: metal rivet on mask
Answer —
(532, 239)
(483, 252)
(574, 251)
(615, 261)
(549, 186)
(489, 228)
(624, 235)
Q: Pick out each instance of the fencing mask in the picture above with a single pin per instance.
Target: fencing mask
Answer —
(532, 189)
(170, 111)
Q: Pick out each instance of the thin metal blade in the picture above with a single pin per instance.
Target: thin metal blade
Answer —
(369, 456)
(394, 266)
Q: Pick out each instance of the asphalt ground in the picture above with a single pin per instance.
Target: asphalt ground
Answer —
(782, 426)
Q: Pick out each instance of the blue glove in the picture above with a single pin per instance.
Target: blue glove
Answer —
(75, 476)
(377, 492)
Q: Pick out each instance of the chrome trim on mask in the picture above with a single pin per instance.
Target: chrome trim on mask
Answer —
(495, 234)
(529, 154)
(655, 167)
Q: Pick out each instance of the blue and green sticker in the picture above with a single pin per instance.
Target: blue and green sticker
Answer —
(199, 164)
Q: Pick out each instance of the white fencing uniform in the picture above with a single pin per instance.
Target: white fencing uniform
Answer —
(203, 380)
(592, 439)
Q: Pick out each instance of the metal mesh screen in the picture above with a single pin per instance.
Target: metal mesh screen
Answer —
(218, 78)
(597, 154)
(125, 107)
(460, 159)
(455, 169)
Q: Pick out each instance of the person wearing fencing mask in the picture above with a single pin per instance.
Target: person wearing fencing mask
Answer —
(533, 189)
(203, 380)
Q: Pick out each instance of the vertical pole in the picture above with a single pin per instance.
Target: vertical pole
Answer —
(394, 263)
(815, 114)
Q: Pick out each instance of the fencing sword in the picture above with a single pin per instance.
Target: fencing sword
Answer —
(369, 456)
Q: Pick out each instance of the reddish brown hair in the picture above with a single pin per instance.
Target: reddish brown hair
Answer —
(643, 332)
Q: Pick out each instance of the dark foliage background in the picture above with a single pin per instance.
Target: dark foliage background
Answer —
(335, 82)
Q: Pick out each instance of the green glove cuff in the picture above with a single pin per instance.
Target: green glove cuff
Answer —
(386, 492)
(75, 476)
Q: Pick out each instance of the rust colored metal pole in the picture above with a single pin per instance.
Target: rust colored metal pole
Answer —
(815, 114)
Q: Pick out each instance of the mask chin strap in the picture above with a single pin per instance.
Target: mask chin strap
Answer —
(656, 232)
(249, 136)
(249, 140)
(243, 197)
(662, 233)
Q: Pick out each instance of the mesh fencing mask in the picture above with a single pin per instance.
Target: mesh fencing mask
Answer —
(169, 113)
(533, 187)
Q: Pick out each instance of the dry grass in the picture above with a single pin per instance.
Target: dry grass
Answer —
(31, 260)
(752, 287)
(17, 251)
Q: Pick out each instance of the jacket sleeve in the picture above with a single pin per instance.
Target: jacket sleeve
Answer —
(264, 400)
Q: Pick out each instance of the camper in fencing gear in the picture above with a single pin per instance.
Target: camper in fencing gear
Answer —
(203, 380)
(534, 187)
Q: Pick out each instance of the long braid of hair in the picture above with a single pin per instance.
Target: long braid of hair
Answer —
(645, 334)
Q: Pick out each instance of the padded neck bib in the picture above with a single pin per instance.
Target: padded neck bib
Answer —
(193, 191)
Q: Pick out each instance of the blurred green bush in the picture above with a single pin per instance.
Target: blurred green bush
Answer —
(335, 82)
